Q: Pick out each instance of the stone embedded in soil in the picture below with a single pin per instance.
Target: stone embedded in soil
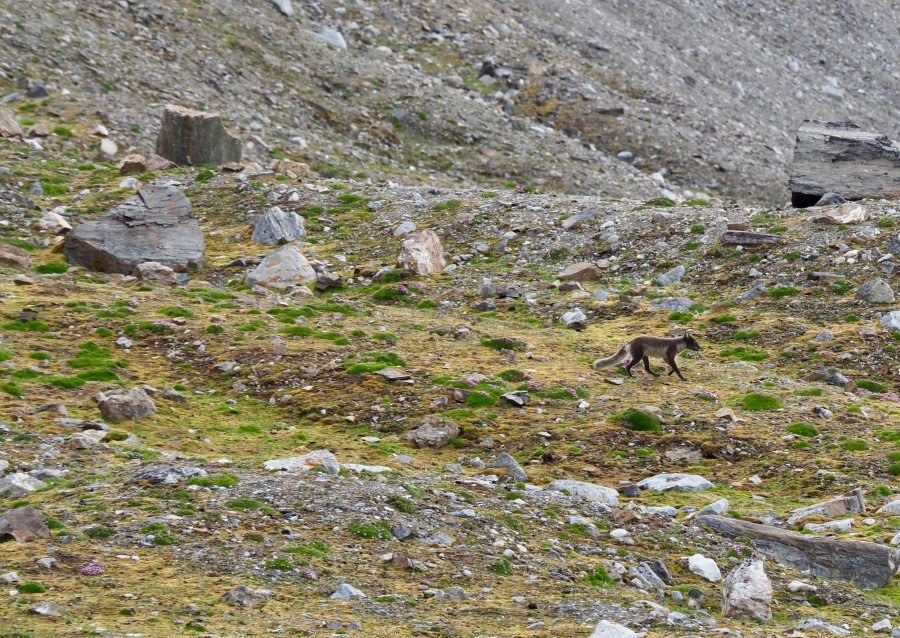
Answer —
(850, 503)
(606, 629)
(582, 271)
(719, 507)
(586, 491)
(135, 405)
(875, 291)
(45, 608)
(747, 592)
(671, 277)
(276, 227)
(505, 460)
(22, 524)
(345, 591)
(155, 225)
(705, 568)
(673, 304)
(167, 474)
(244, 596)
(315, 459)
(155, 273)
(422, 253)
(282, 268)
(14, 257)
(675, 481)
(19, 484)
(433, 432)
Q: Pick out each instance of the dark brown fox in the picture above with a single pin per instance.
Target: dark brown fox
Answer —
(643, 347)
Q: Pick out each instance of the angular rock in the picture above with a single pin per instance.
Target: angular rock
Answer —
(705, 568)
(831, 376)
(155, 273)
(244, 596)
(55, 222)
(575, 319)
(167, 474)
(450, 595)
(673, 304)
(187, 136)
(133, 406)
(434, 432)
(675, 481)
(19, 484)
(289, 167)
(578, 219)
(890, 508)
(9, 127)
(22, 524)
(842, 525)
(518, 397)
(891, 321)
(276, 227)
(14, 257)
(747, 592)
(875, 291)
(671, 277)
(332, 37)
(85, 440)
(46, 608)
(405, 228)
(582, 271)
(347, 591)
(506, 460)
(422, 253)
(586, 491)
(816, 624)
(284, 267)
(840, 157)
(315, 459)
(867, 565)
(606, 629)
(719, 507)
(154, 225)
(850, 503)
(748, 238)
(284, 6)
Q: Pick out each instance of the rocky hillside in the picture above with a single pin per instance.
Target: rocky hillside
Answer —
(344, 387)
(581, 97)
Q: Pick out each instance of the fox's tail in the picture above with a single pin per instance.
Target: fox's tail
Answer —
(609, 361)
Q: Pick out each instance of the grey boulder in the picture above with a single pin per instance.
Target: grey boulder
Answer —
(284, 267)
(18, 485)
(187, 136)
(243, 596)
(433, 432)
(133, 406)
(167, 474)
(875, 291)
(276, 227)
(675, 481)
(747, 592)
(586, 491)
(155, 225)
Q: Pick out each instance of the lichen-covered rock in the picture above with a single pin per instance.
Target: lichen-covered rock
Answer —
(133, 406)
(22, 524)
(244, 596)
(284, 267)
(434, 432)
(747, 592)
(422, 253)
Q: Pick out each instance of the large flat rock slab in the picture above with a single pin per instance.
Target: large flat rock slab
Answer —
(867, 565)
(156, 225)
(840, 157)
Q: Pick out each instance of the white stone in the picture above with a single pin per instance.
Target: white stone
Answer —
(891, 321)
(606, 629)
(705, 568)
(842, 525)
(373, 469)
(54, 221)
(284, 6)
(332, 37)
(108, 147)
(890, 508)
(719, 507)
(798, 586)
(747, 592)
(882, 626)
(675, 481)
(586, 491)
(19, 484)
(317, 458)
(422, 253)
(347, 591)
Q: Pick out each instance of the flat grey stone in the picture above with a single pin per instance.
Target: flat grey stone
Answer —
(587, 491)
(675, 481)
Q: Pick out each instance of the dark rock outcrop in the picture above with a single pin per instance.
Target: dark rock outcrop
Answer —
(154, 225)
(187, 136)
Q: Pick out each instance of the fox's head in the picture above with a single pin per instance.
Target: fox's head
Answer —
(690, 341)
